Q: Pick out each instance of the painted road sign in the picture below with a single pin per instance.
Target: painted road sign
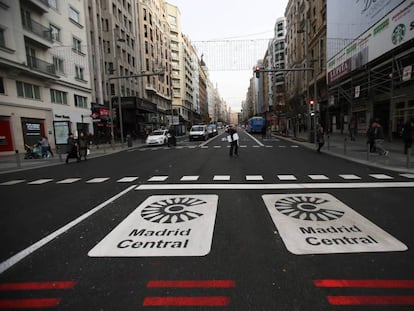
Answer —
(318, 223)
(163, 225)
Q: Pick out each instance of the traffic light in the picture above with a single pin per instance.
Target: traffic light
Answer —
(257, 71)
(311, 104)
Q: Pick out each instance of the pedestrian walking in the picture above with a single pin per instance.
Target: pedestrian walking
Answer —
(408, 135)
(72, 149)
(378, 134)
(82, 146)
(44, 145)
(320, 137)
(371, 137)
(233, 139)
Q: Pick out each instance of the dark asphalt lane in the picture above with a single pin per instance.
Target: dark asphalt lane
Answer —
(247, 249)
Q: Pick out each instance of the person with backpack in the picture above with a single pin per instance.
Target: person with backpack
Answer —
(378, 135)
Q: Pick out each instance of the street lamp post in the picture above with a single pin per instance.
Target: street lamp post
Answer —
(121, 124)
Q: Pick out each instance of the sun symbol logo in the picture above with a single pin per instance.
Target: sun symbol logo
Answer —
(307, 208)
(172, 210)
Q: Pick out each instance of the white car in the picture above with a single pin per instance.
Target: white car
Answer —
(157, 137)
(198, 132)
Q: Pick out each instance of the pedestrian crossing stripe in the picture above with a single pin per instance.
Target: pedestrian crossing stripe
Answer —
(194, 178)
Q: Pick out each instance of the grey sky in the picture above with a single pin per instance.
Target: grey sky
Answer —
(217, 20)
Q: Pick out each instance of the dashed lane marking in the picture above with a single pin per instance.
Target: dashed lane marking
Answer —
(97, 180)
(254, 177)
(318, 177)
(68, 181)
(407, 175)
(381, 176)
(127, 179)
(40, 181)
(12, 182)
(221, 177)
(189, 178)
(158, 178)
(286, 177)
(349, 176)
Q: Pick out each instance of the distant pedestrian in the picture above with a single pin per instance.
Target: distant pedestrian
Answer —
(371, 137)
(320, 137)
(352, 128)
(82, 146)
(408, 135)
(44, 145)
(378, 133)
(233, 139)
(72, 149)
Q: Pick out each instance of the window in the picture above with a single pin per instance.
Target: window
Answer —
(77, 45)
(2, 39)
(2, 86)
(74, 15)
(58, 97)
(58, 63)
(53, 4)
(55, 32)
(81, 101)
(79, 72)
(27, 90)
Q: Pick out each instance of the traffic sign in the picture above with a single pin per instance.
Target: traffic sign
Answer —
(318, 223)
(163, 225)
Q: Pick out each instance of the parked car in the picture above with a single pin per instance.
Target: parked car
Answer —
(198, 132)
(212, 130)
(157, 137)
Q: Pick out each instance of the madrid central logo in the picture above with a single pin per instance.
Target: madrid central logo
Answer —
(173, 210)
(307, 208)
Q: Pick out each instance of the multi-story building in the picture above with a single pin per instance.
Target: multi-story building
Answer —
(45, 87)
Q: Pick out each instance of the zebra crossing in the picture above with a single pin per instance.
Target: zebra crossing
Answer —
(204, 147)
(213, 178)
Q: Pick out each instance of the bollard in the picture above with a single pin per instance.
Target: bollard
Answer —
(345, 140)
(18, 163)
(409, 157)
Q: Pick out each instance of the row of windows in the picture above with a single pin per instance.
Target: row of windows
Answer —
(32, 91)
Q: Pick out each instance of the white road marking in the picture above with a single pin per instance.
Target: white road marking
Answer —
(381, 176)
(267, 146)
(407, 175)
(40, 181)
(318, 177)
(221, 177)
(349, 176)
(254, 177)
(255, 146)
(294, 146)
(282, 146)
(286, 177)
(127, 179)
(8, 263)
(69, 181)
(97, 180)
(345, 185)
(216, 146)
(12, 182)
(158, 178)
(189, 178)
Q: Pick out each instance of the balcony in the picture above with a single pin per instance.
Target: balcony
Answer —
(40, 65)
(41, 6)
(37, 32)
(150, 88)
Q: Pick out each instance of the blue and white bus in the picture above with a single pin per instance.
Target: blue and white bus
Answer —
(256, 124)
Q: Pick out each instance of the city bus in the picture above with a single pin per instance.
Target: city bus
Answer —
(256, 124)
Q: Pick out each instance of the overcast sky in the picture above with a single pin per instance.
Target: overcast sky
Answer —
(216, 20)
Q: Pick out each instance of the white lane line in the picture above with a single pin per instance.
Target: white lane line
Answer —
(97, 180)
(286, 177)
(189, 178)
(68, 181)
(345, 185)
(349, 176)
(221, 177)
(12, 182)
(255, 139)
(254, 177)
(40, 181)
(381, 176)
(34, 247)
(318, 177)
(127, 179)
(294, 146)
(268, 146)
(407, 175)
(216, 146)
(158, 178)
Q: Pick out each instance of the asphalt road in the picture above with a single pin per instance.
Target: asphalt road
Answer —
(280, 227)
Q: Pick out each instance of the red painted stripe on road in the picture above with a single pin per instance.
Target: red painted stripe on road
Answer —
(29, 303)
(365, 283)
(37, 285)
(371, 300)
(205, 301)
(191, 284)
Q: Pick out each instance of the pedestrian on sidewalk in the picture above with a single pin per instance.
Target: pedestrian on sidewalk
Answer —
(408, 135)
(233, 139)
(352, 128)
(378, 133)
(44, 145)
(82, 146)
(72, 149)
(371, 137)
(320, 137)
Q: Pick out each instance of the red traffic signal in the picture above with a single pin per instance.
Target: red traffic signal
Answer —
(257, 71)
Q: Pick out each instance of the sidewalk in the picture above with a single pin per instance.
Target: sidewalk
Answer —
(15, 163)
(340, 145)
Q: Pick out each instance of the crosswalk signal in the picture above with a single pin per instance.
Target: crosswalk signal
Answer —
(257, 71)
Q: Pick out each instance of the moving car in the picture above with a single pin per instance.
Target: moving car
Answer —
(212, 130)
(198, 132)
(157, 137)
